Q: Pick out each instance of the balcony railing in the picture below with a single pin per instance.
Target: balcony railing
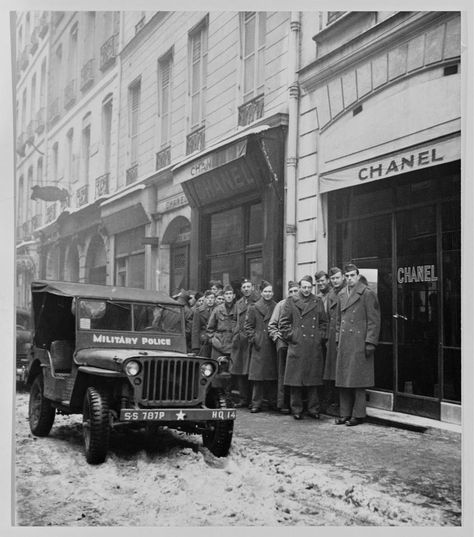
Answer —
(21, 144)
(25, 57)
(140, 24)
(43, 24)
(54, 111)
(131, 174)
(87, 74)
(39, 126)
(36, 221)
(163, 158)
(195, 141)
(50, 213)
(30, 131)
(57, 17)
(251, 111)
(102, 185)
(70, 94)
(108, 52)
(34, 42)
(82, 195)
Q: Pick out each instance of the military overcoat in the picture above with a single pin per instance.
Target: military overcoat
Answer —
(358, 323)
(263, 363)
(240, 354)
(199, 339)
(220, 329)
(304, 324)
(331, 345)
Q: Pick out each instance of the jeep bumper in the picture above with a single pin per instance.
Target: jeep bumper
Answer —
(177, 414)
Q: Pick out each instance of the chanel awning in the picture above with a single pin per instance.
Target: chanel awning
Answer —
(235, 167)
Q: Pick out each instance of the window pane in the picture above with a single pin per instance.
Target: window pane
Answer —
(154, 318)
(226, 231)
(228, 269)
(260, 71)
(136, 271)
(196, 76)
(195, 109)
(249, 75)
(261, 28)
(249, 44)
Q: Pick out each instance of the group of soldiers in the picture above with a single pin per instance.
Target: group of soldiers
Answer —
(304, 342)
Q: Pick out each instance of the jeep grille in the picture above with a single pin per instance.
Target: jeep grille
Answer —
(170, 380)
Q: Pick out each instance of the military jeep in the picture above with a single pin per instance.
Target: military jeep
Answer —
(118, 356)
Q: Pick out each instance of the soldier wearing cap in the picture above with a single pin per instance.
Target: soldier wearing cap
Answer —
(338, 283)
(240, 345)
(357, 334)
(283, 392)
(221, 324)
(263, 364)
(303, 324)
(199, 338)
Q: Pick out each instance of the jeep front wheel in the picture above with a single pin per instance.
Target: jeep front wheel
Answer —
(96, 425)
(218, 437)
(40, 410)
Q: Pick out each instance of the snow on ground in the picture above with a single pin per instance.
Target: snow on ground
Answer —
(174, 481)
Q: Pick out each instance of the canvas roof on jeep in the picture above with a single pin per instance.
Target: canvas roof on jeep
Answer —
(104, 292)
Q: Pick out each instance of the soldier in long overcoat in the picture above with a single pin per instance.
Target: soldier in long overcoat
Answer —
(303, 324)
(221, 325)
(357, 334)
(263, 363)
(329, 376)
(240, 346)
(199, 338)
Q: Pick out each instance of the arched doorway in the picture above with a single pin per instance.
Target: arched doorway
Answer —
(96, 262)
(71, 266)
(177, 236)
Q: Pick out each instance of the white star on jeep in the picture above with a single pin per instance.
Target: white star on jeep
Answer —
(180, 415)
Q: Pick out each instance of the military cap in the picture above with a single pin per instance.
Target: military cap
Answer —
(334, 270)
(349, 267)
(307, 278)
(320, 274)
(228, 287)
(244, 280)
(209, 292)
(292, 284)
(264, 284)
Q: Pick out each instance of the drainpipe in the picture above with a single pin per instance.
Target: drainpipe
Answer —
(292, 148)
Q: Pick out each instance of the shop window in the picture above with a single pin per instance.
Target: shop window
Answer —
(226, 231)
(130, 258)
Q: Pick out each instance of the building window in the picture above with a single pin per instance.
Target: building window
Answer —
(198, 74)
(23, 111)
(253, 24)
(106, 132)
(33, 97)
(55, 161)
(134, 96)
(43, 84)
(164, 98)
(72, 60)
(86, 153)
(70, 157)
(130, 258)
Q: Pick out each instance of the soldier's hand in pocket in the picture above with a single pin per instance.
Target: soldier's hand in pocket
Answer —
(369, 349)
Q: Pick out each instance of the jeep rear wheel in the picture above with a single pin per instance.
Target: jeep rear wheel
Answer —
(219, 436)
(40, 410)
(96, 425)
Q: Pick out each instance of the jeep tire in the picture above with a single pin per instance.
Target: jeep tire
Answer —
(96, 425)
(40, 410)
(219, 438)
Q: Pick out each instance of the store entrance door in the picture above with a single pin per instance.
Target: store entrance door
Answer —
(417, 313)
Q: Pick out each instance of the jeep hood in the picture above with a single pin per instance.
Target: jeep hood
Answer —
(113, 358)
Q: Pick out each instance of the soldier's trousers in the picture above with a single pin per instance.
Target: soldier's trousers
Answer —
(283, 393)
(296, 399)
(352, 402)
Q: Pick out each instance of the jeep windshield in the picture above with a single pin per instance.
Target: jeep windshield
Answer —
(128, 317)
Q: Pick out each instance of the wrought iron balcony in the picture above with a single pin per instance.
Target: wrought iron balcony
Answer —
(54, 111)
(34, 42)
(30, 132)
(70, 94)
(140, 24)
(131, 174)
(251, 111)
(36, 221)
(43, 24)
(163, 158)
(87, 74)
(82, 195)
(50, 213)
(108, 52)
(25, 57)
(39, 125)
(195, 140)
(102, 185)
(21, 144)
(56, 17)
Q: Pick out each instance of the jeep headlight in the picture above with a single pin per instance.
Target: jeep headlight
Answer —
(207, 369)
(132, 368)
